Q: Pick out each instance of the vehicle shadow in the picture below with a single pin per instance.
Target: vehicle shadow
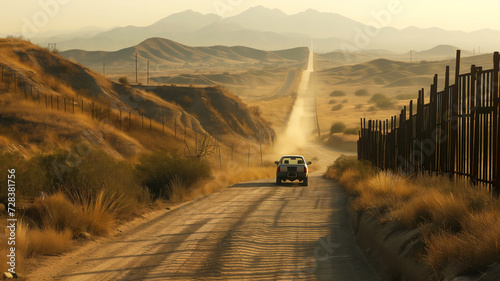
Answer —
(265, 184)
(253, 185)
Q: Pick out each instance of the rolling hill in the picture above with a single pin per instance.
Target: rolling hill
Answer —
(164, 53)
(392, 73)
(29, 126)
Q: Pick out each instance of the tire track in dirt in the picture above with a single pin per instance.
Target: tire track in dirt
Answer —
(214, 265)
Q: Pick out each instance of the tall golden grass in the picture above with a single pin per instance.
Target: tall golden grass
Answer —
(460, 222)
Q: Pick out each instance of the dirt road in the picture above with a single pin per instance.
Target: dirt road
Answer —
(249, 231)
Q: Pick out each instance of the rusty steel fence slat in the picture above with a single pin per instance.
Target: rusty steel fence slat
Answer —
(455, 133)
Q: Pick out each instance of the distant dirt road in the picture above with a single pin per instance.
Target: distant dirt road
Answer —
(249, 231)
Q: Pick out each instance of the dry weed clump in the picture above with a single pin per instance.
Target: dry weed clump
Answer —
(460, 223)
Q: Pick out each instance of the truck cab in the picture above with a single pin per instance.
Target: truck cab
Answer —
(292, 168)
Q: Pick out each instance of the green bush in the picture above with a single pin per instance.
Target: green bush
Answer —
(32, 176)
(337, 107)
(185, 101)
(77, 175)
(382, 101)
(159, 172)
(123, 80)
(361, 93)
(337, 93)
(337, 127)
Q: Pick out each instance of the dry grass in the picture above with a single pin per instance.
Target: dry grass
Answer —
(57, 212)
(460, 223)
(234, 173)
(48, 241)
(55, 221)
(98, 212)
(472, 249)
(180, 192)
(94, 214)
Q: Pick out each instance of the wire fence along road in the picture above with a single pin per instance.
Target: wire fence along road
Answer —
(128, 120)
(456, 133)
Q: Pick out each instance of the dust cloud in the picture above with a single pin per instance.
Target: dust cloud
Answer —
(301, 121)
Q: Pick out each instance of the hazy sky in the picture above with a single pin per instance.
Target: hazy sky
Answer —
(47, 15)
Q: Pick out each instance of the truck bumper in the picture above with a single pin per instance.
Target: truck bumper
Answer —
(291, 176)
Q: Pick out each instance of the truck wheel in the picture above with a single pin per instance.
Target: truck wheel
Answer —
(278, 181)
(305, 182)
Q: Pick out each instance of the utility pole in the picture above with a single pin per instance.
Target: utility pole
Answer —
(411, 55)
(136, 80)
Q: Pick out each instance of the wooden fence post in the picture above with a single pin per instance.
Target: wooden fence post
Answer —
(454, 118)
(473, 139)
(445, 119)
(496, 122)
(360, 142)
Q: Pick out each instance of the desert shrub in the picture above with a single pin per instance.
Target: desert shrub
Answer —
(34, 173)
(358, 106)
(256, 110)
(48, 241)
(87, 176)
(337, 93)
(337, 127)
(333, 102)
(361, 93)
(185, 101)
(345, 101)
(337, 107)
(160, 171)
(123, 80)
(356, 169)
(382, 101)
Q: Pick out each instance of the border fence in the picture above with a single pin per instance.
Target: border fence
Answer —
(456, 133)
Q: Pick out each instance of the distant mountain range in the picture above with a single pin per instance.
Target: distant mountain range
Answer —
(271, 29)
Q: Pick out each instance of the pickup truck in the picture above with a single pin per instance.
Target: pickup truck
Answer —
(292, 168)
